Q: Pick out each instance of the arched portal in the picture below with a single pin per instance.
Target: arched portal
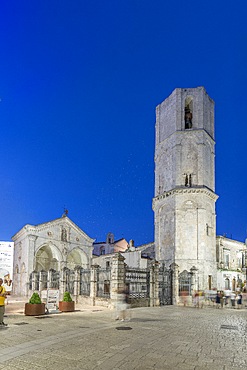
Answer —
(77, 258)
(47, 258)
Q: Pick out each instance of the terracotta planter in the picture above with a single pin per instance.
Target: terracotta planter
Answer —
(66, 306)
(34, 309)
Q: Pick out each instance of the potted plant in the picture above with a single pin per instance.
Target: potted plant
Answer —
(34, 307)
(67, 304)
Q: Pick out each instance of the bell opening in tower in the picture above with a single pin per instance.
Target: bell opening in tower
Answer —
(188, 113)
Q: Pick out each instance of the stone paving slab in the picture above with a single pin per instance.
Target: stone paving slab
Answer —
(158, 338)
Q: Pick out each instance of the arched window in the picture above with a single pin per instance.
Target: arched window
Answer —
(227, 284)
(188, 113)
(102, 250)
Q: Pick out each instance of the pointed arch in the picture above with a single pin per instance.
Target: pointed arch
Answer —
(47, 257)
(77, 257)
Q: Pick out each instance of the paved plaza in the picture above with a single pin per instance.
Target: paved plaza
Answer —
(158, 338)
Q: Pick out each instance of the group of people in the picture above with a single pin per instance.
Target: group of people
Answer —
(218, 298)
(231, 299)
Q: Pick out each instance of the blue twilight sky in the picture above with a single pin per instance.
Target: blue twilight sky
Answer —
(79, 83)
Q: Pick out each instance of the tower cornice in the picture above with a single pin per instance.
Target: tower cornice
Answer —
(181, 191)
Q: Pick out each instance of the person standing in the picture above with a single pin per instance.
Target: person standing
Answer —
(217, 300)
(2, 302)
(233, 298)
(239, 300)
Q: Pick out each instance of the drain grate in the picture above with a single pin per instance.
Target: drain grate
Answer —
(42, 317)
(21, 323)
(124, 328)
(229, 327)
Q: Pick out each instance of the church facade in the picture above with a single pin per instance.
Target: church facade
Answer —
(51, 246)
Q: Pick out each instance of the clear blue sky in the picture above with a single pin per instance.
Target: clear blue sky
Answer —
(79, 84)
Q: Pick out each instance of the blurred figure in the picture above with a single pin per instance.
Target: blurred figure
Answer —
(201, 298)
(239, 300)
(184, 297)
(222, 297)
(217, 299)
(227, 298)
(233, 298)
(122, 304)
(196, 299)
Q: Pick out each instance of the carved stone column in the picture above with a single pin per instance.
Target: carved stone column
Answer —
(154, 284)
(175, 283)
(117, 277)
(194, 279)
(93, 283)
(77, 283)
(31, 253)
(62, 284)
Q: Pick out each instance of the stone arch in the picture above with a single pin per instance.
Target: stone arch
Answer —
(77, 257)
(189, 205)
(47, 257)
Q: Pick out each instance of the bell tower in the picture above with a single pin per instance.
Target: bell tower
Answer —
(184, 202)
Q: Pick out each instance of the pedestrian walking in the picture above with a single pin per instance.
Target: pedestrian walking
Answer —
(184, 297)
(217, 299)
(239, 300)
(233, 299)
(2, 302)
(122, 304)
(222, 299)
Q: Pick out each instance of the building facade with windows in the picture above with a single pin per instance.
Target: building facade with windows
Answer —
(110, 245)
(231, 258)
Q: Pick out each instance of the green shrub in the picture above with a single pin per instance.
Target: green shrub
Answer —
(67, 297)
(35, 299)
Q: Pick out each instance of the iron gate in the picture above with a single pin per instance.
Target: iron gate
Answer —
(54, 279)
(165, 285)
(185, 281)
(69, 280)
(138, 282)
(103, 282)
(85, 275)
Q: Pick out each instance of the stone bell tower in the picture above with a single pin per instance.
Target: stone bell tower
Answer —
(184, 202)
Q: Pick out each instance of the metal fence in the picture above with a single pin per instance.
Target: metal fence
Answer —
(54, 279)
(185, 281)
(165, 285)
(103, 283)
(69, 276)
(138, 282)
(85, 282)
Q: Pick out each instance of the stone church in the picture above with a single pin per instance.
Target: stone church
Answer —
(184, 216)
(50, 246)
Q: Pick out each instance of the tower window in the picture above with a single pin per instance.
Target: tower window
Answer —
(188, 113)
